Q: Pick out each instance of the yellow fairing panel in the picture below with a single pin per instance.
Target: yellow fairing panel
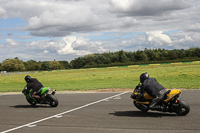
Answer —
(142, 102)
(172, 94)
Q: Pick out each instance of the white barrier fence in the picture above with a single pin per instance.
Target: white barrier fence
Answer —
(14, 73)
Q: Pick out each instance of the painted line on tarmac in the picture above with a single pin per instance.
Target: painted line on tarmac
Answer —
(33, 124)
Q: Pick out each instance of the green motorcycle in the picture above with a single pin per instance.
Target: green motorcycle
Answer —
(44, 97)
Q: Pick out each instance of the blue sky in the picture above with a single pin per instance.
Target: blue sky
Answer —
(64, 30)
(13, 28)
(9, 27)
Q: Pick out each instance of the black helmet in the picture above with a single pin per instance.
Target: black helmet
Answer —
(143, 77)
(27, 78)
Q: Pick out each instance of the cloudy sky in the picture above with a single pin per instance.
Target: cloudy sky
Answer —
(66, 29)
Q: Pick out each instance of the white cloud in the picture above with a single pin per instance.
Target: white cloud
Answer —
(55, 18)
(70, 45)
(157, 39)
(68, 49)
(61, 18)
(46, 51)
(11, 42)
(124, 6)
(186, 40)
(2, 12)
(195, 27)
(147, 7)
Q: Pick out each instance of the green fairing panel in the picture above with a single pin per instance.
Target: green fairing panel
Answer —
(44, 89)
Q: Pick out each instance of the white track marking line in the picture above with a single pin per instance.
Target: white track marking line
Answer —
(60, 114)
(117, 97)
(31, 125)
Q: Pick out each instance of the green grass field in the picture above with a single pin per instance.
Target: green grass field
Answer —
(180, 75)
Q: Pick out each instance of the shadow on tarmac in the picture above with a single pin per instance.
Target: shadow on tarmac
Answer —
(29, 106)
(140, 114)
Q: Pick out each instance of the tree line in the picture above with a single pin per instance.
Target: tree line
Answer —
(106, 59)
(16, 64)
(146, 56)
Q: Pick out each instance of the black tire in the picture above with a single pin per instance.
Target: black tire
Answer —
(183, 108)
(140, 107)
(31, 101)
(53, 101)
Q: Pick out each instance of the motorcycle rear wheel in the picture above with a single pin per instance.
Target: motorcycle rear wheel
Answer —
(52, 99)
(183, 108)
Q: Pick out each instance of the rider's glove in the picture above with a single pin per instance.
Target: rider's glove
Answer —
(138, 86)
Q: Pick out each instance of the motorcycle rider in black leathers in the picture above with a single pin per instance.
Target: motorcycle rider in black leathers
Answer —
(34, 84)
(154, 89)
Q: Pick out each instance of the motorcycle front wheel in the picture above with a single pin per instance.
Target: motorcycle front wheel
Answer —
(53, 101)
(31, 101)
(140, 107)
(183, 108)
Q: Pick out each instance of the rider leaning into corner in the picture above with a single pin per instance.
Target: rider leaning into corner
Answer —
(154, 89)
(34, 84)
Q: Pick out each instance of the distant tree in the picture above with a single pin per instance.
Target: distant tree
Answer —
(197, 52)
(89, 59)
(12, 65)
(107, 58)
(163, 54)
(141, 56)
(149, 54)
(100, 59)
(181, 54)
(114, 57)
(194, 52)
(0, 67)
(65, 64)
(32, 65)
(45, 65)
(173, 54)
(155, 56)
(54, 65)
(122, 56)
(78, 62)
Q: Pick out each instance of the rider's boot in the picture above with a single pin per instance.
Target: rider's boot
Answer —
(156, 107)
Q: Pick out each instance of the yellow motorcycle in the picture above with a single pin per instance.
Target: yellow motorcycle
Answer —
(172, 101)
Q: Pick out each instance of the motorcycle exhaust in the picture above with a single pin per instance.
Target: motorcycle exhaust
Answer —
(53, 92)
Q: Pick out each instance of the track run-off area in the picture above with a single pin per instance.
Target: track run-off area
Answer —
(94, 113)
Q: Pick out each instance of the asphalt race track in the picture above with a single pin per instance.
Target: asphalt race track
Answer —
(94, 113)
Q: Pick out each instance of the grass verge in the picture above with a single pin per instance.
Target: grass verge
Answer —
(185, 76)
